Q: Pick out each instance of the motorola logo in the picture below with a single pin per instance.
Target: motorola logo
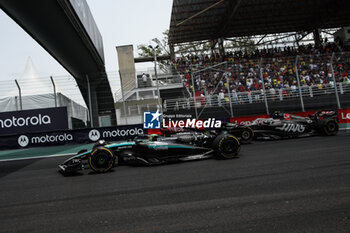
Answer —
(25, 121)
(94, 135)
(23, 140)
(122, 133)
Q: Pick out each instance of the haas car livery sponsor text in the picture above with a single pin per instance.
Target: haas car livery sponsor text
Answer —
(292, 128)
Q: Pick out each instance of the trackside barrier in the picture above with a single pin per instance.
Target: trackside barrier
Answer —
(119, 133)
(343, 118)
(66, 137)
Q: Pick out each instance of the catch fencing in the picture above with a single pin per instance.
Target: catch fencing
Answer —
(277, 79)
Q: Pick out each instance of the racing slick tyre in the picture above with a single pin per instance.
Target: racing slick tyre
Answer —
(328, 127)
(226, 146)
(102, 159)
(247, 135)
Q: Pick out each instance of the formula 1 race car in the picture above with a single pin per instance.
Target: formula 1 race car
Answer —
(153, 150)
(282, 125)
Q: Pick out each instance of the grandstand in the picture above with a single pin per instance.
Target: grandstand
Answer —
(280, 81)
(294, 51)
(263, 56)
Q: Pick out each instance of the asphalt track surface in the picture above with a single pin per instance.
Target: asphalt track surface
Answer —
(298, 185)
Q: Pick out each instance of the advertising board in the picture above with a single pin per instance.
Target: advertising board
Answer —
(66, 137)
(344, 116)
(36, 120)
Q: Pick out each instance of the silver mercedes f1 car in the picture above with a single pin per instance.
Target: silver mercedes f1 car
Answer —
(153, 150)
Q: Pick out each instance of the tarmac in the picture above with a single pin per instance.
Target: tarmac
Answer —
(296, 185)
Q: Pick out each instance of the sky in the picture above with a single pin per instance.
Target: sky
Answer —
(120, 23)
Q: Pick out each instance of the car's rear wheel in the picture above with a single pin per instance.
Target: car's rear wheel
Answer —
(226, 146)
(328, 127)
(247, 135)
(102, 159)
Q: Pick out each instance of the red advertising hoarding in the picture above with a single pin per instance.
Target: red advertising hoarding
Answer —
(344, 116)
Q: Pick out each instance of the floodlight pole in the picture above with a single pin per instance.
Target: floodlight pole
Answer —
(54, 91)
(263, 86)
(299, 86)
(20, 95)
(155, 73)
(122, 89)
(335, 83)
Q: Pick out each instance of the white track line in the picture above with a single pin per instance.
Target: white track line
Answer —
(37, 157)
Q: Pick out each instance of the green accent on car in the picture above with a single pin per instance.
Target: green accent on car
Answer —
(171, 146)
(121, 144)
(109, 146)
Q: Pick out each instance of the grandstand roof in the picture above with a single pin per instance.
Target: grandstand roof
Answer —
(196, 20)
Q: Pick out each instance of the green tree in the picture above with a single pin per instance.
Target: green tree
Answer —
(194, 48)
(161, 50)
(197, 48)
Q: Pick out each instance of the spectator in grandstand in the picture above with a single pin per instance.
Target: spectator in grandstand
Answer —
(234, 96)
(272, 93)
(144, 79)
(278, 70)
(221, 98)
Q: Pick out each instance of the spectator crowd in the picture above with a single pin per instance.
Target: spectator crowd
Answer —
(280, 67)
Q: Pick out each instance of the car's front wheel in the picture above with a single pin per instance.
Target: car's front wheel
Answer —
(102, 159)
(226, 146)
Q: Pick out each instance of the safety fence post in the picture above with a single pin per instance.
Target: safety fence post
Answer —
(20, 95)
(122, 90)
(228, 90)
(54, 90)
(280, 93)
(157, 83)
(335, 83)
(311, 92)
(341, 90)
(299, 87)
(194, 94)
(263, 86)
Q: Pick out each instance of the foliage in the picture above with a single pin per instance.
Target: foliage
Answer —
(191, 48)
(161, 50)
(245, 43)
(194, 48)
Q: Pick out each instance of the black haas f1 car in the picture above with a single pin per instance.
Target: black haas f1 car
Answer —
(282, 125)
(153, 150)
